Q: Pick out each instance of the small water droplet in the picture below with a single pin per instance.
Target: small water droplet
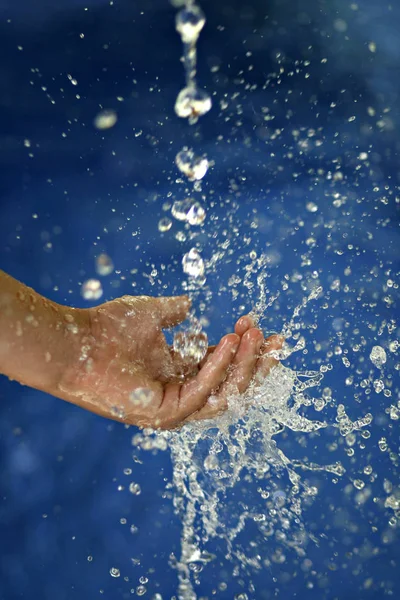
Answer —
(114, 572)
(133, 529)
(118, 412)
(191, 165)
(104, 265)
(378, 356)
(358, 484)
(188, 210)
(196, 214)
(192, 103)
(191, 345)
(383, 445)
(211, 462)
(189, 22)
(164, 224)
(312, 207)
(141, 590)
(193, 264)
(180, 208)
(141, 397)
(135, 489)
(91, 289)
(105, 119)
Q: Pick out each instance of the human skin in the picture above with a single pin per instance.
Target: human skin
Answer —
(113, 359)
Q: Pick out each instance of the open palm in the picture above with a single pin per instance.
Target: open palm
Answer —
(127, 371)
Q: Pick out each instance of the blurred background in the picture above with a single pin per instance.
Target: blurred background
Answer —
(304, 137)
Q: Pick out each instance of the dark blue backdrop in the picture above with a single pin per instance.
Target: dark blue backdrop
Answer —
(71, 192)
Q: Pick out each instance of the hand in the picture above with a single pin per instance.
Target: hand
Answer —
(255, 357)
(127, 372)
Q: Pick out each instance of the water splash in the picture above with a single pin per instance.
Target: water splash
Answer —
(211, 459)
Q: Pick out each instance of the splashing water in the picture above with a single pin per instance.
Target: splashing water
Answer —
(211, 459)
(303, 204)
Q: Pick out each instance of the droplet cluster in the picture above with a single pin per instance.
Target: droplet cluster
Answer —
(191, 103)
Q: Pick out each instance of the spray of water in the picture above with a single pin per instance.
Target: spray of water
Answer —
(211, 458)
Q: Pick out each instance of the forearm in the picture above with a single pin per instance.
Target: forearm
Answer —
(39, 339)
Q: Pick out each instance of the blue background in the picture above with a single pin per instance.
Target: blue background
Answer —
(95, 191)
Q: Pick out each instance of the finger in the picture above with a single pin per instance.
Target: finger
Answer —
(172, 310)
(181, 401)
(241, 326)
(238, 379)
(210, 350)
(244, 324)
(267, 360)
(245, 361)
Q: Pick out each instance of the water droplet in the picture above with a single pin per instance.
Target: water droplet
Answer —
(378, 356)
(180, 208)
(188, 210)
(196, 214)
(180, 236)
(191, 165)
(141, 590)
(211, 462)
(192, 103)
(201, 556)
(191, 345)
(193, 264)
(383, 445)
(164, 224)
(392, 502)
(141, 397)
(259, 518)
(135, 489)
(312, 207)
(114, 572)
(104, 265)
(189, 22)
(279, 497)
(118, 412)
(105, 119)
(358, 484)
(91, 289)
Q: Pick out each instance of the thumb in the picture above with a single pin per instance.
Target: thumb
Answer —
(173, 310)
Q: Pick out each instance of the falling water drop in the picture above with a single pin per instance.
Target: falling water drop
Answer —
(192, 103)
(378, 356)
(105, 119)
(188, 210)
(164, 224)
(92, 290)
(193, 264)
(191, 165)
(135, 489)
(189, 22)
(104, 265)
(196, 214)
